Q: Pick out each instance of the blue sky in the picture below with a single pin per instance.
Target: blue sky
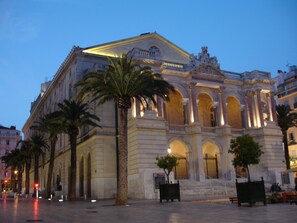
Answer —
(36, 36)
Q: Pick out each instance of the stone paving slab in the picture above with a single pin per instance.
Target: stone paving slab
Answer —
(142, 211)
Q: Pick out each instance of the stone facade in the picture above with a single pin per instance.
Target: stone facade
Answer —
(286, 93)
(210, 107)
(9, 137)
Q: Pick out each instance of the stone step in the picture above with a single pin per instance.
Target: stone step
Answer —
(207, 189)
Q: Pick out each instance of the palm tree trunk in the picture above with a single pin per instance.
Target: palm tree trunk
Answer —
(72, 183)
(19, 184)
(13, 180)
(50, 168)
(122, 187)
(36, 165)
(286, 149)
(27, 180)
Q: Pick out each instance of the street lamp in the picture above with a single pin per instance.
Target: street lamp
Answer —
(169, 150)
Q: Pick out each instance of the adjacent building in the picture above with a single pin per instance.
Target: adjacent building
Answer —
(210, 107)
(286, 93)
(9, 137)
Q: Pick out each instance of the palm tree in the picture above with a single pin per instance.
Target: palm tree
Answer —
(26, 157)
(73, 115)
(37, 145)
(123, 82)
(49, 124)
(11, 160)
(285, 119)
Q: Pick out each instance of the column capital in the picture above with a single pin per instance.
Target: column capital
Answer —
(185, 101)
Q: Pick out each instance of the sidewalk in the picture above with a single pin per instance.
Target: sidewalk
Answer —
(138, 211)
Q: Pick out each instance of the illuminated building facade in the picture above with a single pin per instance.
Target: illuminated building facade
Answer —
(286, 93)
(210, 107)
(9, 137)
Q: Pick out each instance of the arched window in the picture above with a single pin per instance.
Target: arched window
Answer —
(175, 109)
(154, 51)
(205, 110)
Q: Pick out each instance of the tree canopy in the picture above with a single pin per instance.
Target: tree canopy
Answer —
(285, 120)
(167, 163)
(246, 152)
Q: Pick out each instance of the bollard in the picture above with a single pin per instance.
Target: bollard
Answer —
(85, 197)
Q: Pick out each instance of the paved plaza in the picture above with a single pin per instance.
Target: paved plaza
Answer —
(138, 211)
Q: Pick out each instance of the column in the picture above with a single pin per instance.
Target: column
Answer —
(217, 116)
(250, 108)
(255, 109)
(273, 117)
(194, 105)
(244, 118)
(260, 109)
(159, 106)
(223, 114)
(247, 110)
(186, 113)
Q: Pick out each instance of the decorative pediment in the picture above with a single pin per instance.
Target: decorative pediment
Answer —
(204, 58)
(208, 69)
(146, 46)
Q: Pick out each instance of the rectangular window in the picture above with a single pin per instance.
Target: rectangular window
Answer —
(291, 136)
(7, 142)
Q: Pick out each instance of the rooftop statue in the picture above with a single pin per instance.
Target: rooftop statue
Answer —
(204, 58)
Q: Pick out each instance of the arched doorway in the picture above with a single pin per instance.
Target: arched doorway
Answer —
(81, 177)
(89, 175)
(234, 113)
(206, 114)
(179, 150)
(210, 158)
(175, 114)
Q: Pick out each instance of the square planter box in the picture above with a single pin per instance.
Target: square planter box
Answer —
(169, 192)
(251, 192)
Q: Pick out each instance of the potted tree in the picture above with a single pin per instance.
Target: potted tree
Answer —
(247, 152)
(168, 191)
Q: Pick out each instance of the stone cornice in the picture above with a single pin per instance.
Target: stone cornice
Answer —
(38, 103)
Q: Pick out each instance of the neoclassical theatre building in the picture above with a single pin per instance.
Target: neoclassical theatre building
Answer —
(210, 107)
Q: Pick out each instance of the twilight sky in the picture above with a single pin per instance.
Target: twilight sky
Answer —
(37, 35)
